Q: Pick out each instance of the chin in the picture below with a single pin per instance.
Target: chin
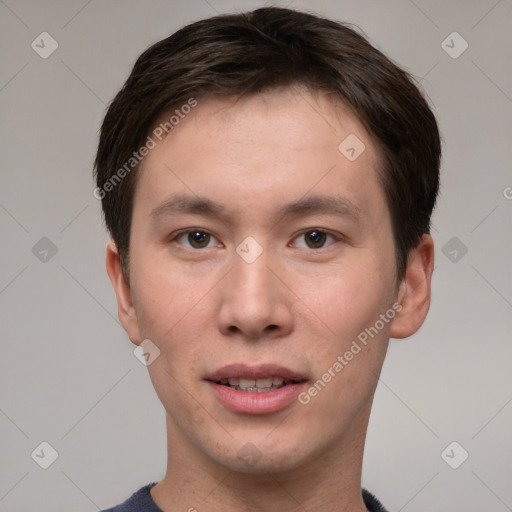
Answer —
(259, 455)
(264, 465)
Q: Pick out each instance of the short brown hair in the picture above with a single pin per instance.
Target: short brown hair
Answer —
(249, 53)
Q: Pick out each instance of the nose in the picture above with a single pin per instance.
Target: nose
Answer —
(255, 304)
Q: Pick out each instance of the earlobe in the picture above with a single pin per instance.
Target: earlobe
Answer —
(415, 289)
(125, 308)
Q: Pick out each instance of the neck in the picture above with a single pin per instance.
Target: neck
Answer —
(330, 480)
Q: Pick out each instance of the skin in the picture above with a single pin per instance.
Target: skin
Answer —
(297, 306)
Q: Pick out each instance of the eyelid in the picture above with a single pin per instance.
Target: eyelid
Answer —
(177, 234)
(338, 237)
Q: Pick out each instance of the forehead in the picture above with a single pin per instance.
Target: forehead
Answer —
(257, 151)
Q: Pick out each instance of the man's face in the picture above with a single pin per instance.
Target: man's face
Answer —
(317, 270)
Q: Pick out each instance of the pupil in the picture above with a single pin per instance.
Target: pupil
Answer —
(198, 238)
(317, 238)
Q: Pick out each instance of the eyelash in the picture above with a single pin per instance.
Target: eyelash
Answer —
(180, 234)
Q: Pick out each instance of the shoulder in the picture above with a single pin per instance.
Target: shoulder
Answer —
(372, 503)
(139, 501)
(142, 501)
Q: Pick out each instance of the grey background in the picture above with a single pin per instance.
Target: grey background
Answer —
(68, 373)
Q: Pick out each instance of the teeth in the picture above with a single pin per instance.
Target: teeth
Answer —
(256, 390)
(256, 385)
(277, 381)
(264, 383)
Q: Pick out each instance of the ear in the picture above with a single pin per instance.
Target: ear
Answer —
(414, 291)
(125, 309)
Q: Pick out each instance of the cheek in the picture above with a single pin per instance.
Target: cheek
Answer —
(347, 298)
(347, 304)
(176, 322)
(171, 313)
(166, 297)
(346, 367)
(176, 310)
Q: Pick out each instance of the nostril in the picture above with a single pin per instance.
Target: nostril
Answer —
(233, 329)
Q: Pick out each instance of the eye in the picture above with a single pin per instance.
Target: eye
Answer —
(314, 239)
(195, 238)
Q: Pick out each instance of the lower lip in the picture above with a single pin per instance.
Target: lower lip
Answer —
(264, 402)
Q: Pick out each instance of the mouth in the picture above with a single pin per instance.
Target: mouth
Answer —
(260, 385)
(255, 379)
(259, 389)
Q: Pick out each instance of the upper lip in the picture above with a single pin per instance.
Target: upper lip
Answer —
(254, 372)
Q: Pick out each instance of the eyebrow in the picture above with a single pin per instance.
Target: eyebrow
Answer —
(182, 203)
(316, 204)
(321, 205)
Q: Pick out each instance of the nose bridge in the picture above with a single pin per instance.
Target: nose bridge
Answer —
(253, 302)
(252, 278)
